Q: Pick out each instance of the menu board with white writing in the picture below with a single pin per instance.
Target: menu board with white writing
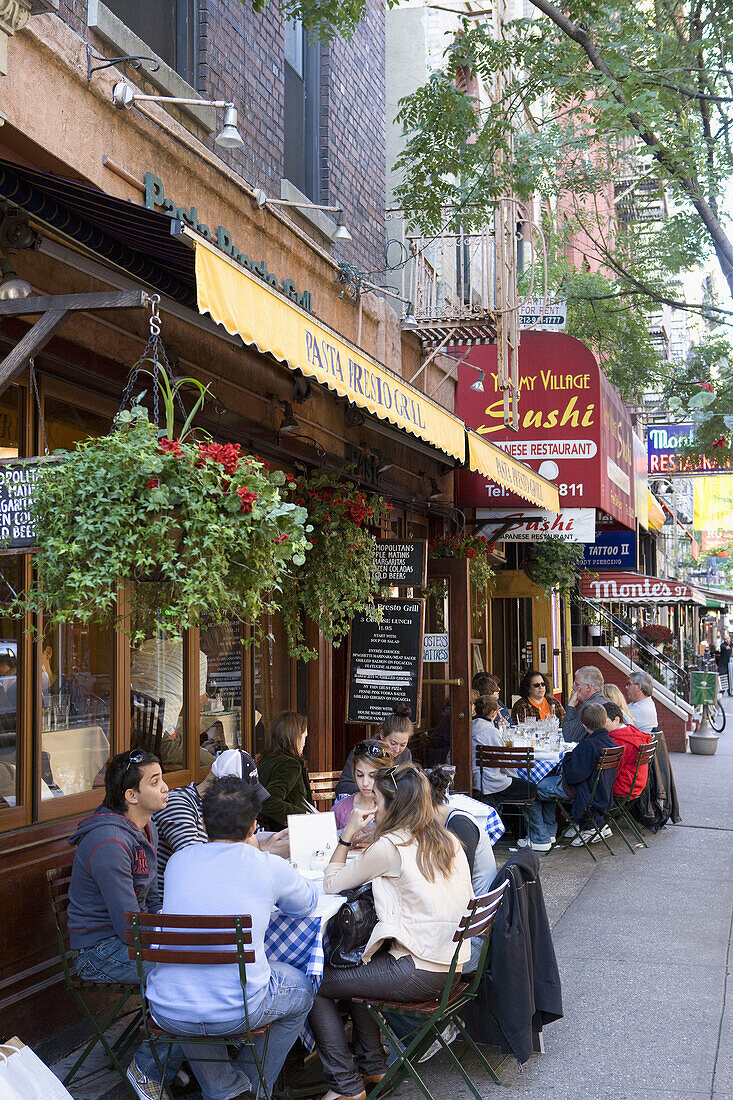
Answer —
(385, 661)
(17, 483)
(402, 563)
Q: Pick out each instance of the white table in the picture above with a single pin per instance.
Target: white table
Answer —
(485, 815)
(76, 756)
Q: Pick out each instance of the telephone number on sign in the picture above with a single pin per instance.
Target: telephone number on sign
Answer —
(535, 318)
(571, 490)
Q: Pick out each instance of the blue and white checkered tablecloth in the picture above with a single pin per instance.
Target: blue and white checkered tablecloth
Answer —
(542, 768)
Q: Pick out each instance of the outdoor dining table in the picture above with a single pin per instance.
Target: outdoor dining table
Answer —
(544, 761)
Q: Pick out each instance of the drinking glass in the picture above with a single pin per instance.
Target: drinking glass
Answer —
(46, 719)
(62, 713)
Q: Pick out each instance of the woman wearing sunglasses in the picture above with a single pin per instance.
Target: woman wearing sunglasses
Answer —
(536, 699)
(369, 758)
(421, 885)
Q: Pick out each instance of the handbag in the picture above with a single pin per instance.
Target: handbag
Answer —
(25, 1076)
(350, 928)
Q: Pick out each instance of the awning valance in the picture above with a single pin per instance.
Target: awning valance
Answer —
(498, 466)
(636, 588)
(245, 305)
(656, 513)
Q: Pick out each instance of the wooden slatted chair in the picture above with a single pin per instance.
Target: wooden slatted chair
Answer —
(490, 756)
(619, 811)
(189, 939)
(59, 879)
(607, 761)
(323, 786)
(433, 1017)
(146, 722)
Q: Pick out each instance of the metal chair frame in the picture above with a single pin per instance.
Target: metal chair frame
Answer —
(619, 811)
(608, 759)
(188, 939)
(59, 879)
(436, 1015)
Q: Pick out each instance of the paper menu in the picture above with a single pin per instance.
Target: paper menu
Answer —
(311, 833)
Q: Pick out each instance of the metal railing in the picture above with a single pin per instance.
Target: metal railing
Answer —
(667, 673)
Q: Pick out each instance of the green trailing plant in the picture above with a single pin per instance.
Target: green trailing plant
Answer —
(555, 564)
(338, 578)
(206, 525)
(475, 549)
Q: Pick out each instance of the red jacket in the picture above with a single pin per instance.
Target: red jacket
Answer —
(632, 740)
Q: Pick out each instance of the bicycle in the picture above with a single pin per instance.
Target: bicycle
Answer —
(716, 716)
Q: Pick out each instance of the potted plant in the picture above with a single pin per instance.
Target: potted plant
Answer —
(207, 525)
(476, 550)
(338, 578)
(554, 564)
(655, 634)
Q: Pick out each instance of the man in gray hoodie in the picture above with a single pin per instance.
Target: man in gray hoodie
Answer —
(115, 872)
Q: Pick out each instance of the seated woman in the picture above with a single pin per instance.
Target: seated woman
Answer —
(283, 770)
(421, 885)
(615, 695)
(537, 701)
(484, 683)
(493, 785)
(369, 757)
(396, 732)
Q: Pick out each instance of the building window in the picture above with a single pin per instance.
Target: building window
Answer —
(168, 27)
(302, 110)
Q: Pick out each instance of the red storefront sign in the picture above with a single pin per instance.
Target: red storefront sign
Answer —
(636, 588)
(573, 427)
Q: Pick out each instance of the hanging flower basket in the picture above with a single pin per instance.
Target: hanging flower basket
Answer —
(206, 524)
(339, 576)
(554, 564)
(475, 549)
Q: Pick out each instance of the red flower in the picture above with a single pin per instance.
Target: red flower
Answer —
(722, 442)
(263, 462)
(291, 479)
(707, 386)
(247, 498)
(282, 538)
(170, 447)
(226, 454)
(154, 483)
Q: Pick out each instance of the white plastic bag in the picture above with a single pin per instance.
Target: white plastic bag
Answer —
(27, 1077)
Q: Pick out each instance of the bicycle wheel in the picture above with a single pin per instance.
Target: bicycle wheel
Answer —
(716, 717)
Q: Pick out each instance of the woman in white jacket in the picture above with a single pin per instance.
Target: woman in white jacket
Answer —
(422, 886)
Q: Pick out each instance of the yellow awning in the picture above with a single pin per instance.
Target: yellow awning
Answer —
(488, 459)
(656, 513)
(248, 307)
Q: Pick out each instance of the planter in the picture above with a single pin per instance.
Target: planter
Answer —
(703, 744)
(594, 630)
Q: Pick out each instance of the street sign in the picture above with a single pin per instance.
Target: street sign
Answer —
(704, 688)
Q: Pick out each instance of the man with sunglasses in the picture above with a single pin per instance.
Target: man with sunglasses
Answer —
(115, 871)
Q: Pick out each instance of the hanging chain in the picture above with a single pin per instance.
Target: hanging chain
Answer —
(34, 388)
(153, 354)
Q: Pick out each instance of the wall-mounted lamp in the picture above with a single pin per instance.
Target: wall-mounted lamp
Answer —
(16, 235)
(409, 318)
(478, 385)
(12, 286)
(436, 493)
(259, 199)
(384, 465)
(288, 422)
(124, 95)
(302, 389)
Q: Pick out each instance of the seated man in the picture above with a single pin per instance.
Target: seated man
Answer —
(639, 688)
(223, 877)
(632, 739)
(573, 778)
(181, 822)
(115, 872)
(587, 688)
(157, 671)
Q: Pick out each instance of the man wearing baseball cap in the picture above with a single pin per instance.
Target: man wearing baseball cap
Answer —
(181, 822)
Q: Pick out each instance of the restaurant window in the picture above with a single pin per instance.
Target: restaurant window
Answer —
(11, 682)
(168, 27)
(157, 697)
(273, 680)
(302, 110)
(221, 715)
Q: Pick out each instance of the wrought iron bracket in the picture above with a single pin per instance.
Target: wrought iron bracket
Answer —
(108, 62)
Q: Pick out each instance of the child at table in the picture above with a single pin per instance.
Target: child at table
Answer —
(369, 758)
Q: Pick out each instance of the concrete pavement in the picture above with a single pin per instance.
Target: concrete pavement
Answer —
(643, 945)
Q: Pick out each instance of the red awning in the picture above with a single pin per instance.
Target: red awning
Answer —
(636, 588)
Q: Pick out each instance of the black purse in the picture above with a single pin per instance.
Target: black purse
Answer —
(350, 928)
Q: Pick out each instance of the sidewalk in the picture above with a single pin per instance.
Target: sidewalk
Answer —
(643, 946)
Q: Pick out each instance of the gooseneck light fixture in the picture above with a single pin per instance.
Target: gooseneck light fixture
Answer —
(16, 235)
(124, 95)
(259, 198)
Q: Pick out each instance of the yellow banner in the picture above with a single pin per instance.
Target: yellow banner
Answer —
(485, 458)
(245, 305)
(656, 514)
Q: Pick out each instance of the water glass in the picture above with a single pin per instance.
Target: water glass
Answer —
(62, 714)
(46, 716)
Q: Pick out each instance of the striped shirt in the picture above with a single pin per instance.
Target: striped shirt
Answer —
(181, 823)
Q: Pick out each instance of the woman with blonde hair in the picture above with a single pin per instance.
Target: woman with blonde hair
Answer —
(615, 695)
(283, 770)
(422, 886)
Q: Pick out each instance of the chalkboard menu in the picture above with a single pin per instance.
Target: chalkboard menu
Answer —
(403, 563)
(17, 483)
(385, 661)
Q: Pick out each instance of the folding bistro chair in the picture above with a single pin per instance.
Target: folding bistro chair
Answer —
(619, 811)
(146, 716)
(608, 760)
(323, 788)
(433, 1017)
(490, 756)
(191, 939)
(58, 879)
